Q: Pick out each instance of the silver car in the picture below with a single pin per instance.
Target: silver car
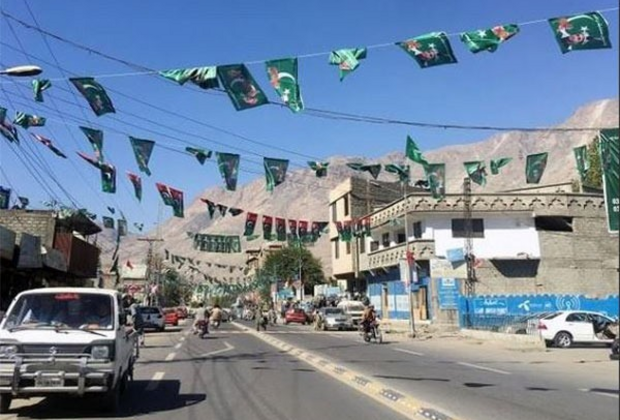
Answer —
(335, 318)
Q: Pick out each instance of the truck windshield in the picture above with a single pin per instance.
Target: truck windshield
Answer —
(61, 310)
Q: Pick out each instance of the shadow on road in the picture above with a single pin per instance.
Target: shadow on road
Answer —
(406, 378)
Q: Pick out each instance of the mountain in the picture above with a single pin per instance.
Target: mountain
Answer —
(305, 197)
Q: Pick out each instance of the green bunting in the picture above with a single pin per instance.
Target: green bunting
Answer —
(108, 222)
(401, 170)
(201, 154)
(241, 87)
(228, 164)
(373, 170)
(7, 129)
(280, 229)
(172, 197)
(210, 207)
(250, 224)
(429, 50)
(234, 211)
(283, 77)
(436, 177)
(267, 227)
(95, 94)
(136, 181)
(108, 178)
(203, 77)
(535, 167)
(47, 142)
(95, 137)
(122, 227)
(217, 243)
(142, 149)
(38, 86)
(26, 120)
(477, 172)
(275, 172)
(488, 39)
(413, 152)
(496, 164)
(319, 168)
(347, 60)
(609, 152)
(588, 31)
(582, 161)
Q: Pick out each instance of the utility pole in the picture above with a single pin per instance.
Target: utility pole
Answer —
(470, 282)
(409, 269)
(150, 263)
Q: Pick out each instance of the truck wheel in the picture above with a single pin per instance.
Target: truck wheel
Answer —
(5, 403)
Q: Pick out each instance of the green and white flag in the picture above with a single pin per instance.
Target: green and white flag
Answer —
(319, 168)
(228, 163)
(488, 39)
(38, 86)
(95, 137)
(413, 152)
(436, 177)
(496, 164)
(241, 87)
(121, 225)
(535, 167)
(203, 77)
(373, 170)
(429, 50)
(108, 178)
(95, 94)
(108, 222)
(201, 154)
(477, 172)
(609, 149)
(347, 60)
(275, 172)
(400, 170)
(7, 129)
(283, 77)
(26, 120)
(582, 161)
(588, 31)
(142, 149)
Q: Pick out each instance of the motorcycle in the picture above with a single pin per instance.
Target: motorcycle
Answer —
(201, 328)
(371, 333)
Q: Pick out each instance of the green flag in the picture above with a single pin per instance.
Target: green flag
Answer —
(347, 60)
(108, 222)
(488, 39)
(136, 181)
(177, 202)
(108, 178)
(38, 86)
(95, 94)
(283, 77)
(400, 170)
(267, 227)
(436, 177)
(142, 149)
(203, 77)
(275, 172)
(95, 137)
(609, 150)
(164, 191)
(319, 168)
(373, 170)
(429, 50)
(228, 163)
(26, 120)
(477, 172)
(201, 154)
(6, 128)
(241, 87)
(413, 152)
(588, 31)
(496, 164)
(535, 167)
(583, 163)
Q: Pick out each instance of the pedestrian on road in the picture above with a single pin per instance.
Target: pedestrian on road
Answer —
(261, 320)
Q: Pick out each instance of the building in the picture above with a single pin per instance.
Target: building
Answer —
(526, 242)
(44, 248)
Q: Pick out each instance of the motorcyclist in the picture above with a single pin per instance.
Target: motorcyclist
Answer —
(216, 316)
(369, 317)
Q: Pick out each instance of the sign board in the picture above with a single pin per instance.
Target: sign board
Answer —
(441, 268)
(609, 149)
(405, 272)
(455, 255)
(448, 293)
(29, 252)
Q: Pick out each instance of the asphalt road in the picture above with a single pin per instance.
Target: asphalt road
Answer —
(474, 384)
(230, 375)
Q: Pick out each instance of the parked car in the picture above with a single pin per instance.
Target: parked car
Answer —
(335, 318)
(152, 317)
(353, 310)
(522, 324)
(182, 312)
(563, 328)
(295, 315)
(171, 317)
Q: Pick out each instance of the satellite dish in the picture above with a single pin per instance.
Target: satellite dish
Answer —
(22, 71)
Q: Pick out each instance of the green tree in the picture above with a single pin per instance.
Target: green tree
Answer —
(175, 288)
(594, 177)
(291, 262)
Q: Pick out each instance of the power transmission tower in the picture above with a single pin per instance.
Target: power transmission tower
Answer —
(470, 282)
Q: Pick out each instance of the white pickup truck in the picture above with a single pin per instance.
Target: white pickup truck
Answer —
(66, 341)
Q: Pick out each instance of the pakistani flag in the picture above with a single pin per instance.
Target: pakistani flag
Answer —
(373, 170)
(6, 128)
(283, 77)
(5, 198)
(535, 167)
(241, 87)
(47, 142)
(429, 50)
(488, 39)
(136, 181)
(267, 227)
(347, 60)
(436, 177)
(583, 163)
(122, 227)
(588, 31)
(38, 86)
(108, 222)
(496, 164)
(319, 168)
(95, 94)
(203, 77)
(142, 149)
(609, 150)
(95, 137)
(275, 172)
(413, 152)
(250, 224)
(228, 164)
(108, 178)
(401, 170)
(164, 191)
(177, 202)
(477, 172)
(201, 154)
(26, 120)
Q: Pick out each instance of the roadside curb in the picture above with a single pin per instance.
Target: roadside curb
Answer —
(507, 340)
(396, 400)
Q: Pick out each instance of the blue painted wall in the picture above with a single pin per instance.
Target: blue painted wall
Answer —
(397, 295)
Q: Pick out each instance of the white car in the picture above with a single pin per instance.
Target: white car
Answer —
(353, 310)
(563, 328)
(152, 317)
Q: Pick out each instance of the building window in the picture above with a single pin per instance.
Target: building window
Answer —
(458, 228)
(336, 249)
(554, 223)
(401, 238)
(385, 240)
(417, 230)
(348, 247)
(346, 205)
(374, 245)
(362, 245)
(334, 212)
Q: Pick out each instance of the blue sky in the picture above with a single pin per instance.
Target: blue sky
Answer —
(527, 82)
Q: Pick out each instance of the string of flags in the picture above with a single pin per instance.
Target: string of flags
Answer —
(194, 262)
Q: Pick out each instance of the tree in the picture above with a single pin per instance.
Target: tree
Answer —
(594, 177)
(176, 290)
(294, 261)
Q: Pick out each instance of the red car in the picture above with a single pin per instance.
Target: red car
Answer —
(295, 315)
(182, 312)
(171, 317)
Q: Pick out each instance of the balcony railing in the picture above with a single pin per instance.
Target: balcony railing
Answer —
(423, 249)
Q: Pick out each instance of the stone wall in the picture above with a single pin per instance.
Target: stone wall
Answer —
(37, 223)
